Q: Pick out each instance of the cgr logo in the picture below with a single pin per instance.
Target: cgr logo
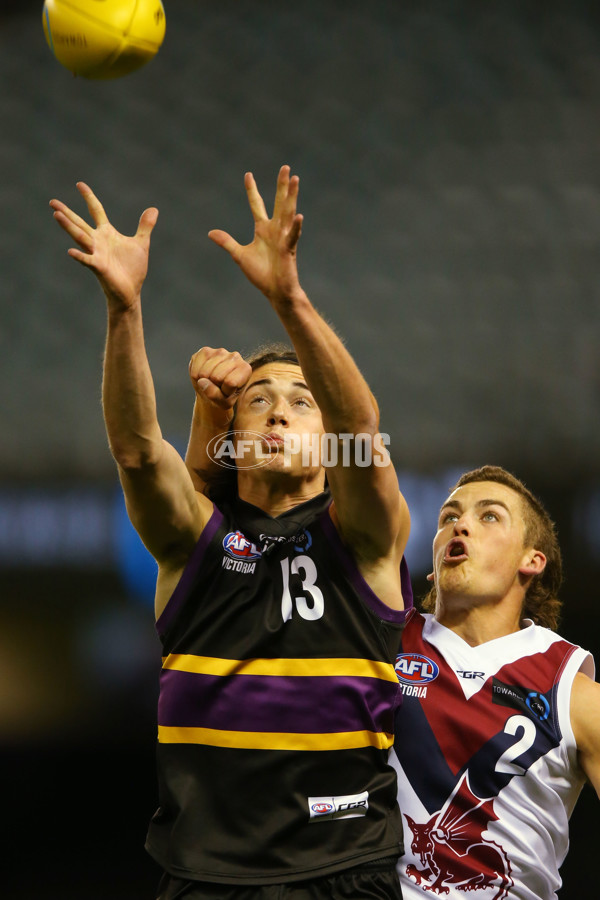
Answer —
(347, 806)
(414, 668)
(239, 547)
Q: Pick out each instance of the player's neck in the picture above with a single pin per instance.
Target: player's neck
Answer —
(480, 623)
(276, 496)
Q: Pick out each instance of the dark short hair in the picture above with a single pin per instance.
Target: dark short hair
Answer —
(541, 603)
(270, 353)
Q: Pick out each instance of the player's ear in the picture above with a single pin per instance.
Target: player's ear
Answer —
(431, 577)
(534, 562)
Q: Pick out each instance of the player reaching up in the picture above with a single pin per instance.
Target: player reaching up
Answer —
(279, 607)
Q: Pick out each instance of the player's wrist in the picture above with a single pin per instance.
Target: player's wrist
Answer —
(209, 413)
(122, 301)
(289, 300)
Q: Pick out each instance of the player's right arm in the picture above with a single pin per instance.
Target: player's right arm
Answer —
(368, 510)
(585, 720)
(161, 501)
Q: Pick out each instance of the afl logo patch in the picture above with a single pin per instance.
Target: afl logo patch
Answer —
(320, 808)
(239, 547)
(413, 668)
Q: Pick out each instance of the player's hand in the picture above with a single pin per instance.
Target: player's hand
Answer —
(219, 375)
(119, 262)
(269, 262)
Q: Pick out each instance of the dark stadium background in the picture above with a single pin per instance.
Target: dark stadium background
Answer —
(449, 157)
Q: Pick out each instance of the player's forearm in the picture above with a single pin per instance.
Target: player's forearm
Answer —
(128, 397)
(208, 421)
(342, 394)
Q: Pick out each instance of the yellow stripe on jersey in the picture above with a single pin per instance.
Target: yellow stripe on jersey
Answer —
(273, 740)
(335, 667)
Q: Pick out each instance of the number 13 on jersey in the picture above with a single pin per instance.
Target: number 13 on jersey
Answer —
(311, 607)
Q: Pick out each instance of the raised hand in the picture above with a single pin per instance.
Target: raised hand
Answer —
(218, 376)
(269, 261)
(119, 262)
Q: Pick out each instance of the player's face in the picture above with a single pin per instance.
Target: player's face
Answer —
(278, 413)
(479, 551)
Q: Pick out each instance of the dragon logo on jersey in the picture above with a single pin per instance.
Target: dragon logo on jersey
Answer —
(453, 852)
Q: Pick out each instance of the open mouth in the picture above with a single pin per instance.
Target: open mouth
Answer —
(273, 442)
(456, 551)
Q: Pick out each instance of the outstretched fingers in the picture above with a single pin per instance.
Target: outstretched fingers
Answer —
(285, 209)
(281, 192)
(67, 214)
(93, 204)
(74, 225)
(147, 222)
(80, 234)
(257, 204)
(289, 215)
(293, 235)
(224, 240)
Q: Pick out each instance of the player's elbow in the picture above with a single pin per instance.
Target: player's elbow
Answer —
(135, 458)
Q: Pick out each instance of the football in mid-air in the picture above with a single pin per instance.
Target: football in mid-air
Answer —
(104, 38)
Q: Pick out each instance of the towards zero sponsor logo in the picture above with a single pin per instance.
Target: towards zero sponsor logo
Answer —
(538, 705)
(522, 698)
(414, 668)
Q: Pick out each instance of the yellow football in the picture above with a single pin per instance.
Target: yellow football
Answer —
(104, 38)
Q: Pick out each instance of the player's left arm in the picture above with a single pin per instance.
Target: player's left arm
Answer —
(218, 376)
(585, 720)
(369, 510)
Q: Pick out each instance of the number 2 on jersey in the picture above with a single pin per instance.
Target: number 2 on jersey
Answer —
(506, 762)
